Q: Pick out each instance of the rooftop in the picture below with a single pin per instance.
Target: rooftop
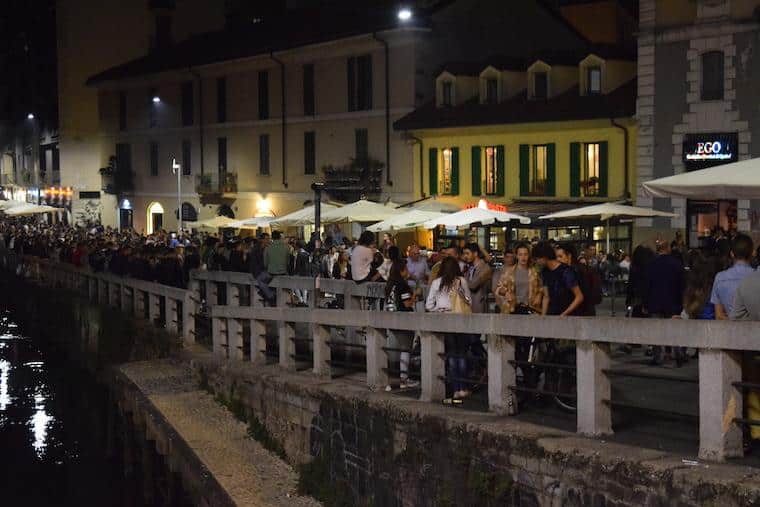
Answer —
(568, 106)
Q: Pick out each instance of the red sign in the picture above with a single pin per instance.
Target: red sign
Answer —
(484, 204)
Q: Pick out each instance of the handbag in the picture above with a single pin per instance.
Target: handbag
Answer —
(460, 303)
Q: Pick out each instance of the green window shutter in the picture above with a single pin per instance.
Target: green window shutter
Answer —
(551, 170)
(524, 169)
(603, 169)
(575, 169)
(433, 171)
(476, 174)
(454, 171)
(500, 173)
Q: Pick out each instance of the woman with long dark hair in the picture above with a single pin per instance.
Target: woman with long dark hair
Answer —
(399, 297)
(448, 285)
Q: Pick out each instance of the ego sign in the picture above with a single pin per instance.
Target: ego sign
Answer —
(709, 148)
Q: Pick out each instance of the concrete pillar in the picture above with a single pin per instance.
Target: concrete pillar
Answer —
(283, 296)
(501, 375)
(593, 387)
(172, 315)
(154, 311)
(259, 342)
(140, 302)
(102, 292)
(377, 359)
(322, 351)
(114, 297)
(256, 300)
(285, 333)
(92, 289)
(235, 339)
(212, 294)
(719, 403)
(233, 294)
(127, 295)
(431, 348)
(188, 318)
(219, 336)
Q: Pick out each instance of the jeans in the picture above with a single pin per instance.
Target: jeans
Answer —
(401, 340)
(262, 282)
(679, 352)
(457, 345)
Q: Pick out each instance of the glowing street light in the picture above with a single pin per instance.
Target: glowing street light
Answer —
(30, 116)
(405, 14)
(156, 99)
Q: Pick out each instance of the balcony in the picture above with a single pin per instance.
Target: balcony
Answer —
(214, 188)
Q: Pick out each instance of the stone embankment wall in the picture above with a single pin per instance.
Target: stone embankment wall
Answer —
(361, 448)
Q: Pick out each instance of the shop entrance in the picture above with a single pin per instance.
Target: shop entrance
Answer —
(155, 217)
(125, 219)
(703, 217)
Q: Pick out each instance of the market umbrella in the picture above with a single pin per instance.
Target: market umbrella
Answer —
(4, 205)
(360, 211)
(739, 180)
(303, 216)
(470, 216)
(607, 211)
(218, 222)
(251, 223)
(434, 205)
(405, 220)
(30, 209)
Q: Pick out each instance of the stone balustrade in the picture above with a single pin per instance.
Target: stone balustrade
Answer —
(719, 343)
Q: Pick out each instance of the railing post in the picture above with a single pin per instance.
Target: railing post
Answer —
(593, 388)
(501, 374)
(219, 336)
(377, 359)
(259, 342)
(431, 348)
(234, 339)
(233, 294)
(103, 292)
(127, 298)
(322, 352)
(154, 311)
(719, 403)
(286, 333)
(172, 315)
(140, 302)
(188, 318)
(114, 298)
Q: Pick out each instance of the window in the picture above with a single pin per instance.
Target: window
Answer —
(492, 91)
(163, 36)
(187, 103)
(122, 110)
(539, 171)
(594, 85)
(591, 170)
(447, 93)
(447, 171)
(360, 83)
(712, 75)
(362, 144)
(308, 89)
(264, 154)
(152, 107)
(540, 85)
(490, 172)
(153, 159)
(309, 153)
(221, 145)
(263, 95)
(187, 157)
(221, 100)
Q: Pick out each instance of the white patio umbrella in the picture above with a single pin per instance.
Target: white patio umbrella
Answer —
(434, 205)
(218, 222)
(470, 216)
(4, 205)
(360, 211)
(607, 211)
(405, 220)
(30, 209)
(304, 216)
(739, 180)
(251, 223)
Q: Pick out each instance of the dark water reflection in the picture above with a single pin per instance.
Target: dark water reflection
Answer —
(52, 428)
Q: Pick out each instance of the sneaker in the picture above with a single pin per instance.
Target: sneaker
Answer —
(388, 388)
(411, 384)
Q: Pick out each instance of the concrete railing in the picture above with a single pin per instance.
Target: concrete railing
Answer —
(719, 343)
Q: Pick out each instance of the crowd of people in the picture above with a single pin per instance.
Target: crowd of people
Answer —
(548, 278)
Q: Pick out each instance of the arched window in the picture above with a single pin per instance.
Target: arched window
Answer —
(712, 75)
(155, 217)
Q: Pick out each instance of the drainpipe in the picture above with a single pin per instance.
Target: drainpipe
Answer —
(200, 112)
(284, 119)
(418, 141)
(384, 42)
(614, 123)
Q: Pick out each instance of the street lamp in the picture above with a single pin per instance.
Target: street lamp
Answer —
(30, 116)
(176, 170)
(404, 14)
(156, 99)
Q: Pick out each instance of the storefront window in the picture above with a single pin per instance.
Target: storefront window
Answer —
(524, 235)
(706, 216)
(565, 233)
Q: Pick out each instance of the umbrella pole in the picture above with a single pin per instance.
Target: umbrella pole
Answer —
(608, 235)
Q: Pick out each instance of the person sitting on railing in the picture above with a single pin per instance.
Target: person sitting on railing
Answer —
(448, 286)
(399, 297)
(362, 257)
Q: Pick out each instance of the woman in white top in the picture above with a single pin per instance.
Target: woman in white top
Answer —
(439, 300)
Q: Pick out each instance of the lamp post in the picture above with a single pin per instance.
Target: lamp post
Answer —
(317, 187)
(176, 170)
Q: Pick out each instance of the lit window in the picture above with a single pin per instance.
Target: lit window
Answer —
(540, 85)
(492, 91)
(447, 93)
(594, 80)
(591, 169)
(447, 170)
(539, 172)
(490, 176)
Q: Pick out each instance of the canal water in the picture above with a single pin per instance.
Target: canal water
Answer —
(53, 423)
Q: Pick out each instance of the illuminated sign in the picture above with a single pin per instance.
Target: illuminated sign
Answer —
(484, 204)
(705, 150)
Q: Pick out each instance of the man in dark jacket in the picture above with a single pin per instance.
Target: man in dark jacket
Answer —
(665, 295)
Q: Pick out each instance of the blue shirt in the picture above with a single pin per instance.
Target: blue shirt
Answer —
(725, 285)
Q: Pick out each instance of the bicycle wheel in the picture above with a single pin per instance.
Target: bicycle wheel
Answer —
(566, 384)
